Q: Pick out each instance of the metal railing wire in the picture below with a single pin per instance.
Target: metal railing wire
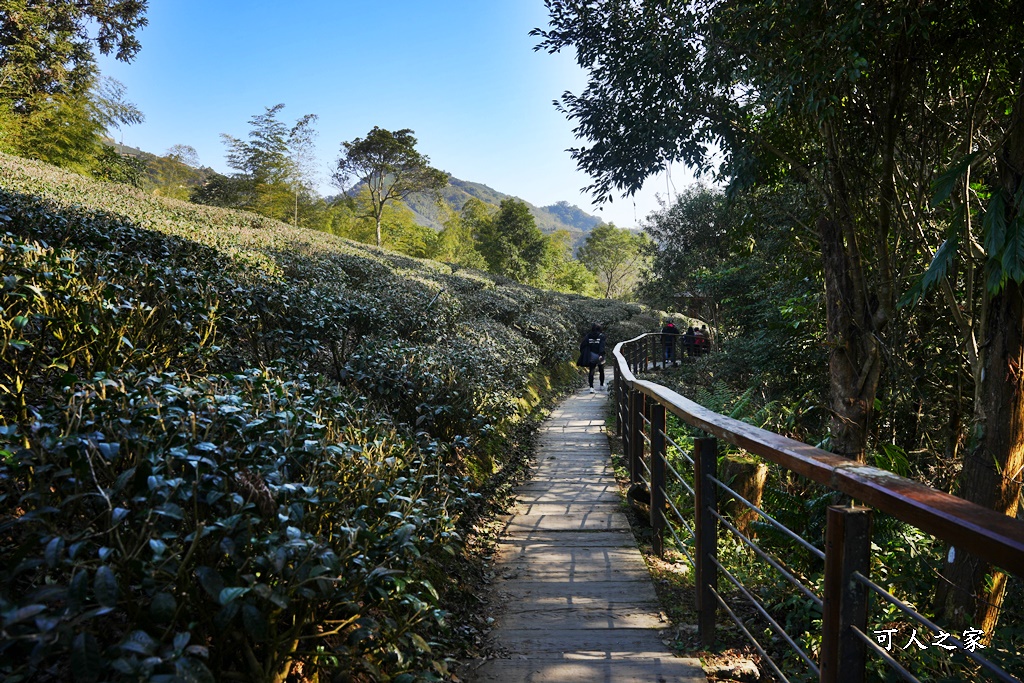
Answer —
(642, 412)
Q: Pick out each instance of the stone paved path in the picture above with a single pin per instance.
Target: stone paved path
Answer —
(577, 601)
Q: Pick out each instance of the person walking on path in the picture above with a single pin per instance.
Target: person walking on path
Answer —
(592, 354)
(669, 335)
(689, 341)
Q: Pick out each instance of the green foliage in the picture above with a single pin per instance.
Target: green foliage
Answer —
(618, 257)
(273, 168)
(560, 271)
(55, 107)
(390, 167)
(63, 131)
(228, 446)
(511, 243)
(456, 243)
(46, 48)
(175, 174)
(743, 264)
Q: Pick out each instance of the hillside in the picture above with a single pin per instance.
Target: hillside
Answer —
(223, 436)
(560, 216)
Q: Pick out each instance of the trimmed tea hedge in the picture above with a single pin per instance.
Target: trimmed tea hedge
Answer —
(234, 450)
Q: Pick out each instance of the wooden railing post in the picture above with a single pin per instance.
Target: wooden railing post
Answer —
(617, 388)
(658, 475)
(845, 601)
(636, 439)
(705, 464)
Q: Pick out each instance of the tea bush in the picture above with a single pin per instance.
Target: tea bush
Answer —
(234, 450)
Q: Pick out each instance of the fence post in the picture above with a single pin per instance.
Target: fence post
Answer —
(618, 399)
(705, 462)
(636, 439)
(845, 601)
(658, 475)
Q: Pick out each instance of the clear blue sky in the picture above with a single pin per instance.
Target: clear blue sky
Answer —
(461, 73)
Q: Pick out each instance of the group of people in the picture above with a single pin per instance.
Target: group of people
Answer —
(695, 342)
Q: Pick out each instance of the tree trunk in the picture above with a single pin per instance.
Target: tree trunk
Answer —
(994, 462)
(854, 355)
(746, 476)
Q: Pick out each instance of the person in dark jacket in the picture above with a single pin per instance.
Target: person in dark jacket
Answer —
(669, 335)
(689, 340)
(592, 354)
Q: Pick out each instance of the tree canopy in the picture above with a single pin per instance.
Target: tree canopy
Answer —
(390, 167)
(273, 171)
(511, 242)
(53, 105)
(617, 257)
(46, 48)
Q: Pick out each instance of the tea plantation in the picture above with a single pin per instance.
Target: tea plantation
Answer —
(231, 450)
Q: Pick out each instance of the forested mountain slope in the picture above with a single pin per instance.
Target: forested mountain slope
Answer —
(234, 450)
(560, 216)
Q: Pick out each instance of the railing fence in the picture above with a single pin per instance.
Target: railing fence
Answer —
(642, 411)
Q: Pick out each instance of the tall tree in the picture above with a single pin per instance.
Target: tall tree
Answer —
(456, 243)
(511, 242)
(175, 174)
(618, 257)
(390, 167)
(273, 167)
(560, 271)
(112, 110)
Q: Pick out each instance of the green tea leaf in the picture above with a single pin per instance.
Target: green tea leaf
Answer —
(104, 586)
(86, 658)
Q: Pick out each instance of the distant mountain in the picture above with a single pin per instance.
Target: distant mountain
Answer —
(560, 216)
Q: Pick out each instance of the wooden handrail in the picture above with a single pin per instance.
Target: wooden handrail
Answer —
(994, 537)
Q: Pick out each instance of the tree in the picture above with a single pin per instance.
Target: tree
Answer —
(390, 167)
(511, 242)
(62, 131)
(456, 243)
(617, 256)
(747, 265)
(690, 244)
(175, 174)
(274, 167)
(560, 271)
(112, 110)
(71, 130)
(46, 48)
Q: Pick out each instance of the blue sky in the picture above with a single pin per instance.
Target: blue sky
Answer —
(461, 73)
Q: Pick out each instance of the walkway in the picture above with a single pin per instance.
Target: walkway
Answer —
(577, 601)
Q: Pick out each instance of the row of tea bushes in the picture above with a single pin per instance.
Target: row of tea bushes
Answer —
(234, 450)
